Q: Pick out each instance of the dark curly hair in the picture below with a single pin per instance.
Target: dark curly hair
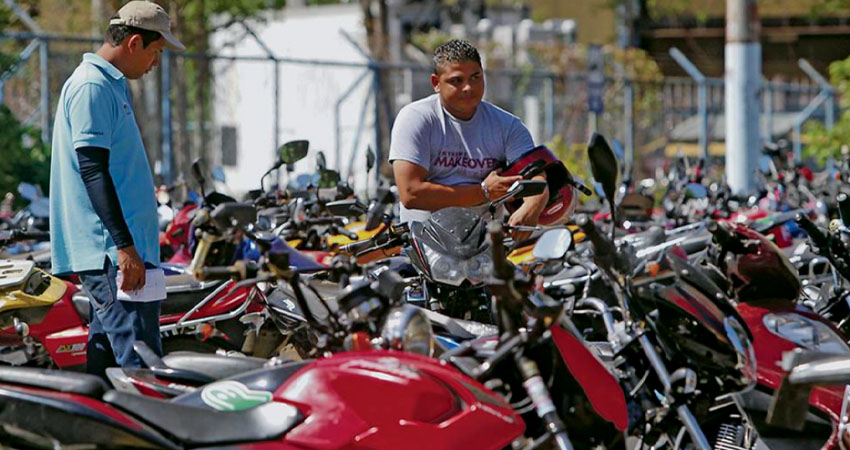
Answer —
(454, 51)
(116, 34)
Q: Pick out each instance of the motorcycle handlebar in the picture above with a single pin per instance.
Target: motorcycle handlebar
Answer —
(238, 271)
(501, 268)
(581, 187)
(216, 273)
(604, 247)
(815, 234)
(727, 240)
(356, 247)
(22, 235)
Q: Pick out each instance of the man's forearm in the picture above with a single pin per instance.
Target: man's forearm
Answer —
(433, 196)
(538, 202)
(94, 170)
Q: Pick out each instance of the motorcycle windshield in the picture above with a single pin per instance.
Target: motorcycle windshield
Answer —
(456, 232)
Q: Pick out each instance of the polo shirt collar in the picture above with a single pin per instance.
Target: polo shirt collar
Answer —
(98, 61)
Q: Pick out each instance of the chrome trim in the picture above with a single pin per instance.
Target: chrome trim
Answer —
(203, 302)
(227, 316)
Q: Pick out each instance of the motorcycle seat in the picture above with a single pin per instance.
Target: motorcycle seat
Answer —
(72, 383)
(213, 366)
(203, 426)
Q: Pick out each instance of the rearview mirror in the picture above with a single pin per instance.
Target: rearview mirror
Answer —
(293, 151)
(370, 159)
(375, 215)
(328, 178)
(346, 208)
(218, 174)
(234, 215)
(553, 244)
(198, 172)
(603, 164)
(321, 162)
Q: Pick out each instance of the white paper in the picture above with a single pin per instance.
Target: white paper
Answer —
(153, 290)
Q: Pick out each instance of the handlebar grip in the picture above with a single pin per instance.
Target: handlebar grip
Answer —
(215, 273)
(602, 244)
(21, 235)
(844, 208)
(356, 247)
(726, 239)
(501, 269)
(817, 236)
(582, 188)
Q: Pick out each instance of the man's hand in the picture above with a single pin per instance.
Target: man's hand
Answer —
(524, 216)
(132, 269)
(529, 213)
(497, 185)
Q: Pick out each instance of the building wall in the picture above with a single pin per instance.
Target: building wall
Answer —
(244, 92)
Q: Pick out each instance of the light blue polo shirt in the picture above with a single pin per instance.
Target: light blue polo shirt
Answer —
(95, 111)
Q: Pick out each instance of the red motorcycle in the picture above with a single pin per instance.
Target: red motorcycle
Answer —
(47, 325)
(334, 403)
(767, 287)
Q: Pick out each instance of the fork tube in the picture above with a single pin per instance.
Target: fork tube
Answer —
(684, 413)
(539, 394)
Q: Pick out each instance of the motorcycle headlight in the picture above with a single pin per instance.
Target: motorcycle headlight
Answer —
(806, 333)
(479, 267)
(408, 328)
(444, 268)
(744, 348)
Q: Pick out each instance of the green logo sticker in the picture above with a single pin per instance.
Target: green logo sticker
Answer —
(233, 396)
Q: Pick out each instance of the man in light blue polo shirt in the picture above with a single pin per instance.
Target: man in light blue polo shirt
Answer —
(103, 219)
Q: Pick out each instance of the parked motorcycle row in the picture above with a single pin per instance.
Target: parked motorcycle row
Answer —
(305, 318)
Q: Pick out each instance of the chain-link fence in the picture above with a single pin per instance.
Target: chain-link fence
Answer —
(235, 110)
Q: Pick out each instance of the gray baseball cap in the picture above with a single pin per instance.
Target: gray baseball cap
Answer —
(148, 16)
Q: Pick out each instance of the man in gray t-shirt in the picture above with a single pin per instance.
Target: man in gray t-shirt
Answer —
(446, 149)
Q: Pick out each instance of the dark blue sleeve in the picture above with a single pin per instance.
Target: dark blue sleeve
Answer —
(94, 169)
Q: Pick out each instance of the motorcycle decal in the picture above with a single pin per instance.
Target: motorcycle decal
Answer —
(71, 348)
(504, 417)
(387, 365)
(233, 396)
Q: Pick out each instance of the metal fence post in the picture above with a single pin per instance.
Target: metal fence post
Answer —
(628, 119)
(768, 111)
(549, 107)
(165, 104)
(379, 153)
(44, 64)
(826, 95)
(276, 127)
(702, 93)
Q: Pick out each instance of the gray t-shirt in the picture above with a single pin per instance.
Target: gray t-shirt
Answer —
(455, 152)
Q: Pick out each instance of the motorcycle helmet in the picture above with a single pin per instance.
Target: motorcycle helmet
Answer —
(562, 195)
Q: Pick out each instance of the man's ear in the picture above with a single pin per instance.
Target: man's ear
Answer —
(435, 82)
(135, 42)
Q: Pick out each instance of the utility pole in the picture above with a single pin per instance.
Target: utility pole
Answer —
(743, 85)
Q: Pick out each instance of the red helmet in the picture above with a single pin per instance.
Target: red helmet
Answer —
(562, 195)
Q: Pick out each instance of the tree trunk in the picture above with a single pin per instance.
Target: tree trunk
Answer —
(202, 74)
(377, 37)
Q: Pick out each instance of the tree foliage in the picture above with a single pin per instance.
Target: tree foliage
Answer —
(25, 157)
(821, 143)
